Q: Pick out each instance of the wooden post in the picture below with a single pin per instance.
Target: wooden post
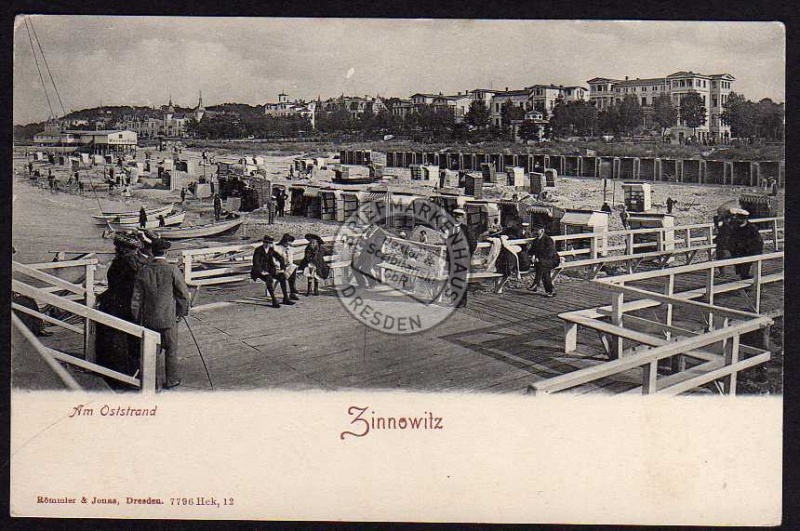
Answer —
(570, 336)
(708, 297)
(629, 244)
(617, 300)
(187, 267)
(89, 326)
(731, 357)
(149, 361)
(757, 286)
(649, 378)
(660, 238)
(668, 291)
(775, 235)
(593, 246)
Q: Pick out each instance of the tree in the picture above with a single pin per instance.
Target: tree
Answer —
(478, 115)
(664, 113)
(630, 114)
(528, 130)
(769, 117)
(693, 111)
(736, 114)
(608, 120)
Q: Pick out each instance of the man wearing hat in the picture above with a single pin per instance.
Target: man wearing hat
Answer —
(160, 299)
(459, 233)
(543, 249)
(743, 240)
(269, 265)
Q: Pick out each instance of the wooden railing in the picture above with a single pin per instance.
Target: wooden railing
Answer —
(713, 367)
(150, 340)
(625, 334)
(632, 247)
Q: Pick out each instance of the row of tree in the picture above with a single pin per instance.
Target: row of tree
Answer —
(762, 120)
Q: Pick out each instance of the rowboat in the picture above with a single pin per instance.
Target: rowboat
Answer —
(173, 218)
(201, 231)
(131, 216)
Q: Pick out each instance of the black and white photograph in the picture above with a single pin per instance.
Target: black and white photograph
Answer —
(499, 215)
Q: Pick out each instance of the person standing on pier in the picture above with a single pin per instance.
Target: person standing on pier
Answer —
(183, 195)
(459, 233)
(543, 249)
(670, 204)
(160, 299)
(625, 217)
(142, 217)
(744, 240)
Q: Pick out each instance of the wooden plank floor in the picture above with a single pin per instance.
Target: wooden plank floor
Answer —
(499, 343)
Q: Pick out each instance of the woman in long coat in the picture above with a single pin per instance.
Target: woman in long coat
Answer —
(115, 349)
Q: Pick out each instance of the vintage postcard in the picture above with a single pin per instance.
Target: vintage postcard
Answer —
(398, 270)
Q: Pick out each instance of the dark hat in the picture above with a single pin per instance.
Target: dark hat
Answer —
(126, 240)
(286, 238)
(539, 226)
(160, 245)
(310, 236)
(267, 239)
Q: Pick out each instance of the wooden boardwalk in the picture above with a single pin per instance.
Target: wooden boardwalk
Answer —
(498, 344)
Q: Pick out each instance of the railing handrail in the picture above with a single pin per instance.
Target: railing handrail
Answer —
(45, 277)
(692, 268)
(638, 359)
(64, 264)
(83, 311)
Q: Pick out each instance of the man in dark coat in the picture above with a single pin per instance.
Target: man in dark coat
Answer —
(160, 299)
(269, 266)
(606, 208)
(543, 249)
(454, 240)
(217, 207)
(142, 217)
(744, 240)
(280, 202)
(670, 204)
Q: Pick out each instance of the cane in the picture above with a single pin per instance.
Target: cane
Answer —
(208, 374)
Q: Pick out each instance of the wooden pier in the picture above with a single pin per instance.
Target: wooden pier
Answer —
(499, 343)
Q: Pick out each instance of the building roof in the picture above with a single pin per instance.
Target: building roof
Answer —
(603, 79)
(645, 81)
(509, 93)
(96, 133)
(725, 76)
(687, 74)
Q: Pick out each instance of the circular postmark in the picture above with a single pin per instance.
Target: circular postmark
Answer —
(396, 283)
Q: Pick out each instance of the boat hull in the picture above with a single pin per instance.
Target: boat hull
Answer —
(202, 231)
(173, 219)
(131, 216)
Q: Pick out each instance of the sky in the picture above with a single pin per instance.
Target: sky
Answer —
(142, 61)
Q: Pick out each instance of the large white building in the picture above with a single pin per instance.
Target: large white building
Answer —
(169, 124)
(284, 107)
(712, 88)
(543, 98)
(106, 142)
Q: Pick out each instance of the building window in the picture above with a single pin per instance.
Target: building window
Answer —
(714, 101)
(644, 101)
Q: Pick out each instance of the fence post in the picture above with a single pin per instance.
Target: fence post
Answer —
(757, 286)
(731, 357)
(649, 378)
(708, 297)
(593, 247)
(89, 326)
(187, 267)
(617, 300)
(570, 336)
(149, 361)
(775, 234)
